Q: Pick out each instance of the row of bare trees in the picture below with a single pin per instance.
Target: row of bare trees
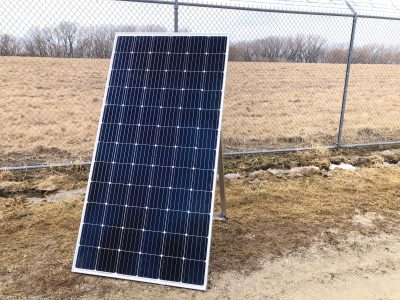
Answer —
(296, 49)
(310, 49)
(67, 40)
(70, 40)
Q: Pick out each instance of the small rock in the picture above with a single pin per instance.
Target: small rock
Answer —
(343, 166)
(257, 173)
(387, 152)
(386, 164)
(362, 220)
(292, 170)
(232, 176)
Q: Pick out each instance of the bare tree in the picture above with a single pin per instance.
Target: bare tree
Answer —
(53, 42)
(295, 49)
(67, 33)
(309, 49)
(9, 45)
(152, 28)
(69, 40)
(242, 51)
(35, 44)
(269, 49)
(335, 55)
(314, 48)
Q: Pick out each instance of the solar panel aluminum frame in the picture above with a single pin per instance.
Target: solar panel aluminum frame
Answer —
(218, 145)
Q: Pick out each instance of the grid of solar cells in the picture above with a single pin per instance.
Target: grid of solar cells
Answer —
(148, 210)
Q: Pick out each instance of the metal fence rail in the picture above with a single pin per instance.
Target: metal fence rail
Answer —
(300, 76)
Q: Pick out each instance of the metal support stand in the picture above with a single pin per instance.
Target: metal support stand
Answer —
(221, 216)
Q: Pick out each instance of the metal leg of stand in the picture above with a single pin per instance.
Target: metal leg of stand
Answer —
(221, 216)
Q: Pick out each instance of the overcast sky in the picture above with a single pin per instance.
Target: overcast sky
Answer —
(18, 16)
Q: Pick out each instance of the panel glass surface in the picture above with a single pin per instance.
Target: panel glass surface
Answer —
(148, 210)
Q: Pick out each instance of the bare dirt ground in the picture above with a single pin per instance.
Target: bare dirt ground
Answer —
(314, 234)
(360, 268)
(49, 107)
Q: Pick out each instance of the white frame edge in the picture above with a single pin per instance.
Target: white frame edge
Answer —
(221, 109)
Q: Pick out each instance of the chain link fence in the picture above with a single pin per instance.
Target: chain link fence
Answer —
(299, 76)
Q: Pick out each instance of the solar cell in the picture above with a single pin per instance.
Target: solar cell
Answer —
(149, 204)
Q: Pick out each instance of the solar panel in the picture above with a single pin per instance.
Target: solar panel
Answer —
(148, 209)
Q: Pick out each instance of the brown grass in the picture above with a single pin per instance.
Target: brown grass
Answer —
(49, 107)
(322, 158)
(269, 216)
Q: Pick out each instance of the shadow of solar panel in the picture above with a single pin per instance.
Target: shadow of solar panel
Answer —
(149, 205)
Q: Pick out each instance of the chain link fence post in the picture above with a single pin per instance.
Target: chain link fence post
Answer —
(176, 16)
(346, 82)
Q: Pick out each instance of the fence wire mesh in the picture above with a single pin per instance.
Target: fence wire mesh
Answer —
(373, 107)
(285, 83)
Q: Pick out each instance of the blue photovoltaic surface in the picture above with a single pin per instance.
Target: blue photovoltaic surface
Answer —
(148, 209)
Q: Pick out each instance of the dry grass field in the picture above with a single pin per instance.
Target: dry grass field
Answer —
(49, 107)
(314, 234)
